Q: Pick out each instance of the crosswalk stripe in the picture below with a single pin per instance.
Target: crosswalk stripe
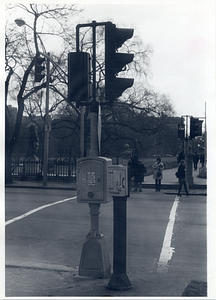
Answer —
(167, 250)
(36, 209)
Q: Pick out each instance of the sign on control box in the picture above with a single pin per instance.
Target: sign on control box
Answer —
(118, 181)
(92, 174)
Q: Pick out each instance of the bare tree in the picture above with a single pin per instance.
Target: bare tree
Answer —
(21, 49)
(139, 119)
(44, 22)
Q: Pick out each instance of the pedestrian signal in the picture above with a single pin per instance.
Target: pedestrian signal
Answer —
(195, 127)
(78, 78)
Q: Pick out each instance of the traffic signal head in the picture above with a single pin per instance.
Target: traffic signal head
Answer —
(181, 131)
(78, 77)
(39, 68)
(195, 127)
(116, 62)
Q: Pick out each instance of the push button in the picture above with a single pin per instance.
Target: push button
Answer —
(90, 194)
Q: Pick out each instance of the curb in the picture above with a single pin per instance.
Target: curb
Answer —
(43, 266)
(40, 187)
(174, 186)
(145, 186)
(195, 289)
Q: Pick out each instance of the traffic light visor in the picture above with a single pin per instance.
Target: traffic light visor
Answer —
(121, 60)
(121, 35)
(40, 60)
(122, 84)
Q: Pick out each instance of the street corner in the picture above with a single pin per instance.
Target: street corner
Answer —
(195, 288)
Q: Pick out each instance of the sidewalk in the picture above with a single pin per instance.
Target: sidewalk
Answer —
(169, 181)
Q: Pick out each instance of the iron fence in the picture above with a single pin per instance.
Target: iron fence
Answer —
(28, 169)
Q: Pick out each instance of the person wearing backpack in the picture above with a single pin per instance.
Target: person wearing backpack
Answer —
(140, 171)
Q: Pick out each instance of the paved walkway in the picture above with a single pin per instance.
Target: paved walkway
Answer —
(169, 181)
(170, 178)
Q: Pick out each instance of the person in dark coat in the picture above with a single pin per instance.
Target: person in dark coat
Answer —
(140, 171)
(202, 159)
(181, 177)
(195, 160)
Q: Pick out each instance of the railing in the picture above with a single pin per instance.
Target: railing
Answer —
(28, 169)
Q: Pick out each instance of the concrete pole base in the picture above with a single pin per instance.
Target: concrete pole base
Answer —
(119, 282)
(94, 260)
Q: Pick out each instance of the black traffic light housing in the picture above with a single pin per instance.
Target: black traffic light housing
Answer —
(39, 68)
(79, 78)
(116, 62)
(181, 131)
(195, 127)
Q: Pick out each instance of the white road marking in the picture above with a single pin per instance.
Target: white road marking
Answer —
(167, 250)
(41, 266)
(35, 210)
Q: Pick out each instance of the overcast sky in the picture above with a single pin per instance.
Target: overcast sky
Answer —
(181, 34)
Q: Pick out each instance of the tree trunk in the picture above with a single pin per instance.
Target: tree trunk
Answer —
(8, 169)
(8, 175)
(9, 145)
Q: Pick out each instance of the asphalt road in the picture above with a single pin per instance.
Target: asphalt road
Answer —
(43, 246)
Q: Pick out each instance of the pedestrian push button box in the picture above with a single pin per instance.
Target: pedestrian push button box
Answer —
(118, 181)
(92, 175)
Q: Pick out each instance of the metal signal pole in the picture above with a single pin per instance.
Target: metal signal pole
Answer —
(94, 252)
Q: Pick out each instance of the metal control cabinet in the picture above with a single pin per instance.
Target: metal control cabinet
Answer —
(92, 175)
(118, 181)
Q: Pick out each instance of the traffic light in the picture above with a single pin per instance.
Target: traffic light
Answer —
(39, 68)
(181, 131)
(78, 77)
(195, 127)
(116, 62)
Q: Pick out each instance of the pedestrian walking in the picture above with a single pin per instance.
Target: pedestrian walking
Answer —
(195, 160)
(158, 167)
(140, 171)
(180, 174)
(202, 159)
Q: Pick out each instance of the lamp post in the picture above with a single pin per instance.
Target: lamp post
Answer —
(20, 22)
